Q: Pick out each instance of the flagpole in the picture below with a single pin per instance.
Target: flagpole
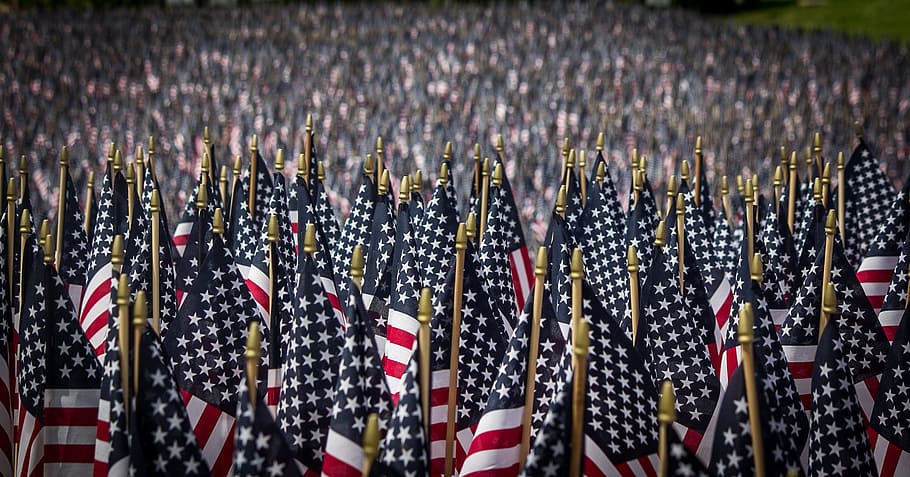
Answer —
(671, 194)
(570, 166)
(155, 207)
(777, 181)
(273, 241)
(139, 321)
(254, 151)
(582, 177)
(696, 181)
(740, 185)
(565, 159)
(461, 244)
(140, 168)
(61, 204)
(370, 443)
(23, 177)
(666, 414)
(749, 199)
(43, 231)
(471, 227)
(417, 181)
(477, 167)
(817, 151)
(600, 173)
(485, 196)
(380, 165)
(841, 200)
(202, 200)
(123, 335)
(151, 161)
(826, 270)
(561, 201)
(307, 146)
(130, 192)
(636, 186)
(357, 266)
(25, 226)
(634, 299)
(791, 194)
(253, 351)
(235, 177)
(222, 184)
(207, 141)
(89, 195)
(826, 183)
(576, 273)
(424, 315)
(810, 165)
(681, 238)
(580, 344)
(748, 359)
(11, 234)
(725, 200)
(540, 271)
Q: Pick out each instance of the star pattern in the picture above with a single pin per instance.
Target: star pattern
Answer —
(377, 278)
(74, 256)
(867, 196)
(891, 413)
(404, 451)
(495, 267)
(356, 231)
(549, 455)
(260, 448)
(641, 227)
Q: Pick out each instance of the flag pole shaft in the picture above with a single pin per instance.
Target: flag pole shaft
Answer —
(540, 270)
(791, 194)
(10, 234)
(24, 230)
(123, 339)
(681, 238)
(156, 260)
(424, 313)
(485, 197)
(748, 360)
(460, 247)
(634, 298)
(697, 179)
(750, 218)
(841, 200)
(579, 365)
(666, 414)
(826, 268)
(61, 205)
(254, 151)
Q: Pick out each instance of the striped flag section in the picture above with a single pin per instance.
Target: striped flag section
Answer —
(874, 275)
(96, 298)
(64, 444)
(214, 431)
(801, 361)
(597, 464)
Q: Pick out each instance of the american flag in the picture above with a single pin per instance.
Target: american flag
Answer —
(889, 425)
(550, 451)
(895, 299)
(436, 239)
(208, 341)
(377, 277)
(361, 390)
(59, 377)
(811, 239)
(673, 331)
(881, 267)
(7, 357)
(314, 345)
(599, 233)
(495, 267)
(726, 250)
(573, 203)
(838, 443)
(860, 331)
(140, 258)
(161, 434)
(182, 234)
(867, 195)
(778, 269)
(482, 342)
(405, 451)
(641, 226)
(244, 230)
(681, 462)
(402, 325)
(325, 214)
(260, 448)
(558, 276)
(96, 299)
(356, 231)
(496, 444)
(519, 259)
(195, 249)
(74, 245)
(417, 207)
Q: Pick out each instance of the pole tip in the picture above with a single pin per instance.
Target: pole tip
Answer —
(320, 170)
(64, 156)
(684, 170)
(140, 310)
(778, 176)
(218, 222)
(447, 152)
(499, 146)
(309, 123)
(404, 191)
(540, 264)
(444, 173)
(205, 135)
(357, 262)
(236, 166)
(792, 162)
(830, 222)
(202, 198)
(151, 145)
(476, 152)
(746, 323)
(11, 191)
(697, 145)
(497, 175)
(666, 411)
(601, 171)
(384, 183)
(817, 142)
(417, 181)
(858, 129)
(724, 186)
(570, 161)
(756, 269)
(378, 144)
(48, 248)
(368, 165)
(680, 205)
(840, 161)
(829, 299)
(117, 250)
(671, 186)
(561, 200)
(817, 189)
(279, 160)
(273, 228)
(25, 222)
(632, 259)
(253, 342)
(155, 201)
(601, 141)
(461, 237)
(576, 266)
(309, 238)
(660, 236)
(471, 226)
(123, 290)
(254, 143)
(425, 307)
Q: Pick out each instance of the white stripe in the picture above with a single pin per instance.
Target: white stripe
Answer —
(75, 294)
(490, 459)
(69, 435)
(890, 318)
(706, 446)
(803, 386)
(261, 279)
(83, 398)
(720, 295)
(778, 316)
(522, 272)
(500, 419)
(800, 353)
(464, 438)
(887, 262)
(881, 448)
(399, 354)
(69, 468)
(876, 288)
(221, 433)
(31, 443)
(598, 458)
(244, 270)
(182, 230)
(866, 400)
(121, 468)
(344, 449)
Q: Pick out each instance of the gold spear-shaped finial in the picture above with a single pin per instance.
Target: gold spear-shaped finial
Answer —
(404, 191)
(279, 161)
(671, 192)
(117, 165)
(444, 173)
(600, 173)
(357, 265)
(684, 171)
(110, 152)
(43, 230)
(497, 175)
(447, 152)
(117, 253)
(417, 181)
(253, 351)
(202, 199)
(499, 147)
(384, 185)
(829, 307)
(756, 269)
(471, 226)
(309, 239)
(368, 166)
(561, 201)
(301, 166)
(817, 189)
(218, 222)
(826, 183)
(858, 129)
(841, 202)
(633, 268)
(660, 236)
(600, 142)
(272, 235)
(370, 443)
(320, 170)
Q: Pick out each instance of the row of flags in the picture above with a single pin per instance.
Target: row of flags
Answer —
(764, 337)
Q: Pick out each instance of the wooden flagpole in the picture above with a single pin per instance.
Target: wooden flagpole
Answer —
(582, 177)
(139, 321)
(307, 148)
(89, 196)
(666, 414)
(817, 151)
(600, 173)
(61, 204)
(155, 207)
(696, 181)
(725, 201)
(826, 183)
(25, 227)
(151, 161)
(254, 152)
(461, 245)
(778, 180)
(477, 171)
(580, 344)
(272, 236)
(11, 232)
(827, 264)
(485, 196)
(222, 184)
(841, 200)
(370, 443)
(123, 338)
(380, 160)
(540, 271)
(23, 177)
(565, 159)
(750, 217)
(681, 238)
(634, 299)
(745, 330)
(791, 194)
(130, 192)
(235, 170)
(253, 351)
(424, 315)
(570, 166)
(671, 195)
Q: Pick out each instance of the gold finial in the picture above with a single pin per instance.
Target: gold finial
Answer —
(697, 145)
(485, 170)
(830, 222)
(671, 187)
(471, 226)
(117, 252)
(43, 230)
(756, 270)
(202, 198)
(11, 191)
(561, 200)
(117, 165)
(497, 175)
(23, 165)
(371, 439)
(739, 184)
(576, 269)
(570, 162)
(581, 161)
(817, 189)
(205, 163)
(368, 165)
(499, 147)
(809, 156)
(273, 229)
(778, 176)
(858, 129)
(320, 170)
(632, 265)
(218, 222)
(384, 183)
(205, 136)
(235, 167)
(309, 123)
(826, 174)
(140, 158)
(461, 237)
(635, 163)
(379, 145)
(565, 147)
(447, 152)
(301, 165)
(747, 192)
(404, 191)
(829, 300)
(253, 342)
(130, 174)
(417, 181)
(783, 157)
(724, 186)
(680, 204)
(357, 263)
(601, 172)
(309, 239)
(792, 163)
(279, 160)
(666, 410)
(684, 170)
(110, 152)
(600, 142)
(476, 152)
(637, 182)
(48, 248)
(660, 236)
(223, 175)
(444, 173)
(140, 308)
(64, 155)
(1, 153)
(817, 143)
(746, 322)
(25, 222)
(840, 161)
(643, 165)
(155, 201)
(254, 143)
(755, 193)
(123, 291)
(151, 146)
(540, 265)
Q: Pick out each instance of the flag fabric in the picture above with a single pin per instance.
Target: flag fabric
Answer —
(188, 219)
(196, 246)
(495, 449)
(313, 352)
(8, 377)
(356, 231)
(681, 462)
(208, 340)
(549, 456)
(482, 342)
(641, 227)
(112, 446)
(778, 254)
(377, 276)
(404, 451)
(360, 390)
(436, 239)
(895, 299)
(325, 214)
(726, 250)
(402, 325)
(519, 259)
(59, 377)
(162, 443)
(74, 245)
(867, 195)
(495, 256)
(260, 449)
(559, 274)
(889, 425)
(838, 444)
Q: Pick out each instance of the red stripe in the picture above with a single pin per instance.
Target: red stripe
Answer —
(892, 457)
(393, 368)
(801, 369)
(272, 395)
(876, 301)
(206, 424)
(259, 295)
(890, 332)
(181, 240)
(102, 290)
(222, 465)
(510, 471)
(872, 275)
(496, 439)
(77, 454)
(692, 440)
(79, 416)
(332, 467)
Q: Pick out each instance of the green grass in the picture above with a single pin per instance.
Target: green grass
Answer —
(873, 18)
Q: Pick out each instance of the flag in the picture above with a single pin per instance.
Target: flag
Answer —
(867, 195)
(208, 340)
(436, 239)
(59, 377)
(681, 462)
(377, 276)
(74, 245)
(402, 326)
(196, 246)
(404, 451)
(313, 352)
(559, 274)
(889, 425)
(895, 298)
(356, 231)
(495, 449)
(641, 226)
(838, 443)
(360, 390)
(260, 449)
(775, 244)
(7, 363)
(162, 443)
(550, 451)
(187, 222)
